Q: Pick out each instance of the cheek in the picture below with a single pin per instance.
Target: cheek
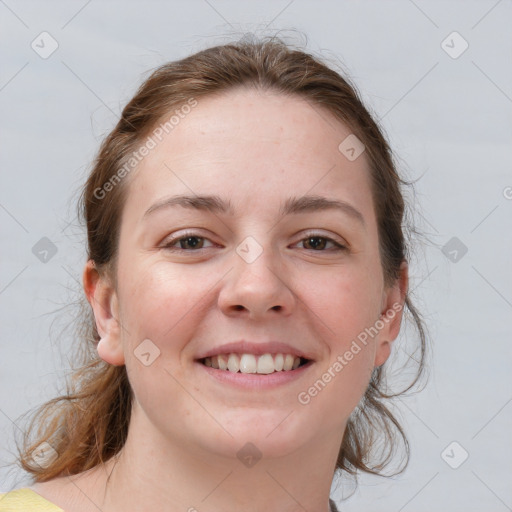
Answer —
(166, 305)
(343, 301)
(158, 310)
(346, 305)
(157, 300)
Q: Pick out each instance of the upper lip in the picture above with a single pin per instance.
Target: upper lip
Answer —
(255, 348)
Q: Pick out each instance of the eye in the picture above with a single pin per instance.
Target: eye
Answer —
(187, 242)
(315, 242)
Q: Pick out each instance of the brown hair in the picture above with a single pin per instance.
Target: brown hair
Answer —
(89, 424)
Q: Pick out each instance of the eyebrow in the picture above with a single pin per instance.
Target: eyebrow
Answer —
(293, 205)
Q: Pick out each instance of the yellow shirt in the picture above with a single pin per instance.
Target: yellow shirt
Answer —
(26, 500)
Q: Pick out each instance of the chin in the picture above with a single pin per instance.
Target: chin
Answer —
(276, 432)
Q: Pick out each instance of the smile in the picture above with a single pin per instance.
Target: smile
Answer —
(249, 363)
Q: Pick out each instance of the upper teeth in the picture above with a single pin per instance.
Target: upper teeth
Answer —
(249, 363)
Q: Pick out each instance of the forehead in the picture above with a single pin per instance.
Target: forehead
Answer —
(254, 147)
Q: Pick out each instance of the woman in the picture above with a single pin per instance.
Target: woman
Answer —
(247, 272)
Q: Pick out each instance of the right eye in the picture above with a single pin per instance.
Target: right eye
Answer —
(189, 242)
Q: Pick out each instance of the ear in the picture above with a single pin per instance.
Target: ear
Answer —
(103, 299)
(391, 315)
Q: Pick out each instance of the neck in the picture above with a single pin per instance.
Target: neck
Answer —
(172, 477)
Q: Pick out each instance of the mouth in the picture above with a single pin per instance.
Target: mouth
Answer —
(263, 364)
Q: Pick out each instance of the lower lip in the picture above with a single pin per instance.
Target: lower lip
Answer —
(256, 380)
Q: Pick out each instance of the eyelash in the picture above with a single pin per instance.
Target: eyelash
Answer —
(168, 245)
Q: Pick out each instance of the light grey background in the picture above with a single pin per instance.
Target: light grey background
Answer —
(448, 120)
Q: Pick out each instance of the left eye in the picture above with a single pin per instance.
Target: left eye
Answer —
(319, 242)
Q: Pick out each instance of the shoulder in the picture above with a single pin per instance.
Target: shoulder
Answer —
(25, 500)
(66, 494)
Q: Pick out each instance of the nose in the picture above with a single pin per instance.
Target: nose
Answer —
(256, 286)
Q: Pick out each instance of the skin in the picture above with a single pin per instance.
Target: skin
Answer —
(256, 149)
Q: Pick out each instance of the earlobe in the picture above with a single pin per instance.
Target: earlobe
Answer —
(111, 351)
(382, 353)
(103, 299)
(391, 315)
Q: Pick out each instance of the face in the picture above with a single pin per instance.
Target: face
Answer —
(260, 267)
